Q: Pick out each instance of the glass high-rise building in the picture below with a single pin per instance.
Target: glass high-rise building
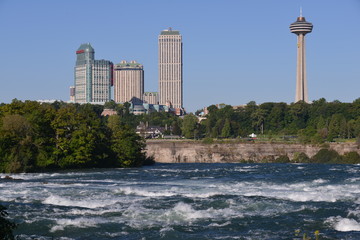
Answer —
(170, 68)
(93, 78)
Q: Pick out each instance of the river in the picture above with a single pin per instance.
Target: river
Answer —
(187, 201)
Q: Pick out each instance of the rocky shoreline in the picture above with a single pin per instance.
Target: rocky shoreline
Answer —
(167, 151)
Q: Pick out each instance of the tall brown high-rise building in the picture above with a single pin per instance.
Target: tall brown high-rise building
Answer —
(170, 68)
(128, 81)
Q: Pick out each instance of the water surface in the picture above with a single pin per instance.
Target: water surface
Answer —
(187, 201)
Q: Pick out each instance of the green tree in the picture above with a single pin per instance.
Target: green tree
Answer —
(176, 130)
(276, 118)
(190, 126)
(17, 147)
(299, 113)
(77, 136)
(127, 146)
(110, 105)
(226, 130)
(337, 127)
(258, 118)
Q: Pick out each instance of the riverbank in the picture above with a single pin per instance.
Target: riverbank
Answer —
(181, 151)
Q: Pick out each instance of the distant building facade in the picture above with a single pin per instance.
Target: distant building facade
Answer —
(108, 112)
(170, 68)
(128, 81)
(72, 94)
(93, 78)
(151, 97)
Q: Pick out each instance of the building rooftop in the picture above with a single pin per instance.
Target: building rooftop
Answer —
(85, 47)
(125, 65)
(169, 31)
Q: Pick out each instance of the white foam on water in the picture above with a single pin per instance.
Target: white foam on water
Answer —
(81, 222)
(320, 181)
(139, 216)
(119, 234)
(87, 181)
(343, 224)
(353, 169)
(245, 169)
(145, 193)
(187, 212)
(84, 203)
(83, 212)
(219, 225)
(184, 213)
(301, 192)
(355, 212)
(233, 237)
(354, 179)
(201, 195)
(26, 176)
(165, 230)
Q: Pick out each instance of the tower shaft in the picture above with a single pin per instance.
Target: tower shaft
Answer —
(301, 81)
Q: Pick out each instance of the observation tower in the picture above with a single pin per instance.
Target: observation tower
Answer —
(301, 27)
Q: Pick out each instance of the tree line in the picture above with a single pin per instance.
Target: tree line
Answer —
(41, 136)
(317, 122)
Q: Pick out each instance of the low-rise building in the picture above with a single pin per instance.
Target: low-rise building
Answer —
(151, 97)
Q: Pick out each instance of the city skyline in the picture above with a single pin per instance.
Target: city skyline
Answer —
(227, 58)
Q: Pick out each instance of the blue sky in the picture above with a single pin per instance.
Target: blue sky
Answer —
(235, 51)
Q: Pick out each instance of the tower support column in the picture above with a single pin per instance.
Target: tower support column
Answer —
(301, 81)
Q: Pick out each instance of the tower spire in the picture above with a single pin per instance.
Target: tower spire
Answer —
(300, 11)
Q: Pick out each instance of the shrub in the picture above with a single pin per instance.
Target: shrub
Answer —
(351, 158)
(282, 159)
(268, 159)
(208, 140)
(326, 156)
(300, 157)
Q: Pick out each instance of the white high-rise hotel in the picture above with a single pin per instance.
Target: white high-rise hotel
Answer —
(170, 68)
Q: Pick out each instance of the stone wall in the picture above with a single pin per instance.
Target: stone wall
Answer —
(167, 151)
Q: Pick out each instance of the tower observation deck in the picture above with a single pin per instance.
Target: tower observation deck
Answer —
(301, 27)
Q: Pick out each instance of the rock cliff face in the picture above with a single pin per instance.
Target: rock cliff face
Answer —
(193, 151)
